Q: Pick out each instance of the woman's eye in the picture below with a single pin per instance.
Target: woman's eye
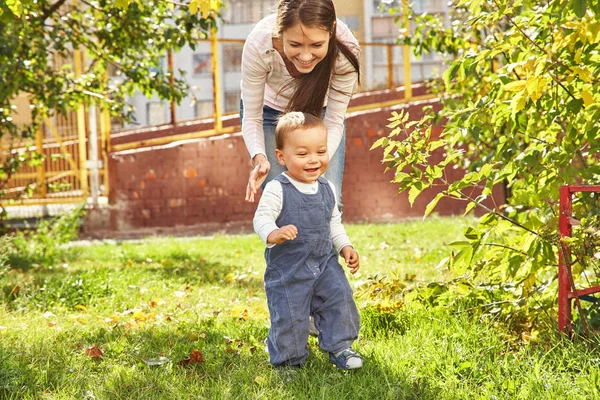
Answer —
(317, 45)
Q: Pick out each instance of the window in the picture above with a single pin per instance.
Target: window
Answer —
(201, 64)
(155, 113)
(204, 109)
(232, 57)
(232, 101)
(353, 21)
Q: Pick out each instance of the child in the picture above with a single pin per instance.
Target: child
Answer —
(298, 218)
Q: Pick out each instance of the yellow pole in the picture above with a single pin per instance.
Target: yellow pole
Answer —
(172, 82)
(78, 63)
(214, 48)
(105, 145)
(77, 54)
(41, 169)
(390, 65)
(406, 54)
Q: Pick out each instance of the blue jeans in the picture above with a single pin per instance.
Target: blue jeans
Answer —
(334, 173)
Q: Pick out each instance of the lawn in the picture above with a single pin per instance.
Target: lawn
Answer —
(179, 318)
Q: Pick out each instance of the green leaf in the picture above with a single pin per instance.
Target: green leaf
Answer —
(413, 193)
(123, 4)
(15, 7)
(469, 207)
(379, 143)
(432, 204)
(579, 6)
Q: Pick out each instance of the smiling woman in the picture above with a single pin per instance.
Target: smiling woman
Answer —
(301, 59)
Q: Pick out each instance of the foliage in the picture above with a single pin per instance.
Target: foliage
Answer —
(521, 109)
(44, 245)
(59, 55)
(6, 248)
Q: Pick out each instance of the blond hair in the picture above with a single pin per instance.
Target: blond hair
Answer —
(292, 121)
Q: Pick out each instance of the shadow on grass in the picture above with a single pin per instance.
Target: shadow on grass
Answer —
(235, 366)
(77, 284)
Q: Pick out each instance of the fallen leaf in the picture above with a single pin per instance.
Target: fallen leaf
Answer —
(156, 361)
(112, 320)
(82, 308)
(51, 324)
(229, 349)
(195, 357)
(93, 352)
(260, 380)
(244, 316)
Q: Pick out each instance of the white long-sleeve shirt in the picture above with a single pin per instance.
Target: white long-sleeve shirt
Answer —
(265, 78)
(270, 204)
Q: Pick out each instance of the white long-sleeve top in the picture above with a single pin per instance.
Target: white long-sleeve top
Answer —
(270, 204)
(265, 78)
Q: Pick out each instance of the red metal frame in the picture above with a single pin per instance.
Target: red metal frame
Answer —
(565, 292)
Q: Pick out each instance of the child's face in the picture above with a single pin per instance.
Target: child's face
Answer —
(305, 154)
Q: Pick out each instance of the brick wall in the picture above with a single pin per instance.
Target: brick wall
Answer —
(198, 186)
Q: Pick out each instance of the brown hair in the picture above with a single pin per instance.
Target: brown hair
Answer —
(293, 121)
(311, 88)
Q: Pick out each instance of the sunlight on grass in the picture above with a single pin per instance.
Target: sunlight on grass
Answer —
(161, 298)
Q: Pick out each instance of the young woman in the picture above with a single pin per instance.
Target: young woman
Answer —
(301, 59)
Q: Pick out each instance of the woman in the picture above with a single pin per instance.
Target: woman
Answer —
(302, 59)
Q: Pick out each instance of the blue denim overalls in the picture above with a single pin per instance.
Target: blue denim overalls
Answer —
(304, 277)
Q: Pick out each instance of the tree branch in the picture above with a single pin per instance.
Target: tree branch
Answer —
(52, 9)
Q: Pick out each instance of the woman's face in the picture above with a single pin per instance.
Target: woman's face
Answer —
(305, 46)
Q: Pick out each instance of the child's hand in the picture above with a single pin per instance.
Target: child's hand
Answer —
(283, 234)
(351, 257)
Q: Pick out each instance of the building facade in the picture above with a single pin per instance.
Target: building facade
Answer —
(370, 21)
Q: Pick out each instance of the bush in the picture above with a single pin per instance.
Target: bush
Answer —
(44, 245)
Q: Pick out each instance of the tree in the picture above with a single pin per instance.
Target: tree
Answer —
(521, 101)
(39, 39)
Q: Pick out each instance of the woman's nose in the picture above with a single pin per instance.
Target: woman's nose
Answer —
(305, 56)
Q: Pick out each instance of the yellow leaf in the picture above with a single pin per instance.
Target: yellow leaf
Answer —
(577, 56)
(518, 102)
(587, 98)
(112, 320)
(193, 7)
(515, 86)
(82, 308)
(204, 8)
(139, 316)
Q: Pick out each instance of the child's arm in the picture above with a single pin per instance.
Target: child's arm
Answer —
(340, 239)
(267, 212)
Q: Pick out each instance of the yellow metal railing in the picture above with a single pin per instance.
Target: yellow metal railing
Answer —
(218, 113)
(63, 175)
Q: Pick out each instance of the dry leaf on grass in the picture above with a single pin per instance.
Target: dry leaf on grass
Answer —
(93, 352)
(195, 357)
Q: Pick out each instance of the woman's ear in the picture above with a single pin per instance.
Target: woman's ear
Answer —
(279, 155)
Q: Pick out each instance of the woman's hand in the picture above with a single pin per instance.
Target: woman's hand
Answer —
(257, 176)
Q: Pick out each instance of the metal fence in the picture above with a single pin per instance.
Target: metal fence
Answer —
(75, 148)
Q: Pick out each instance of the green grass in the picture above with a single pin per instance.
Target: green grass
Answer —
(168, 296)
